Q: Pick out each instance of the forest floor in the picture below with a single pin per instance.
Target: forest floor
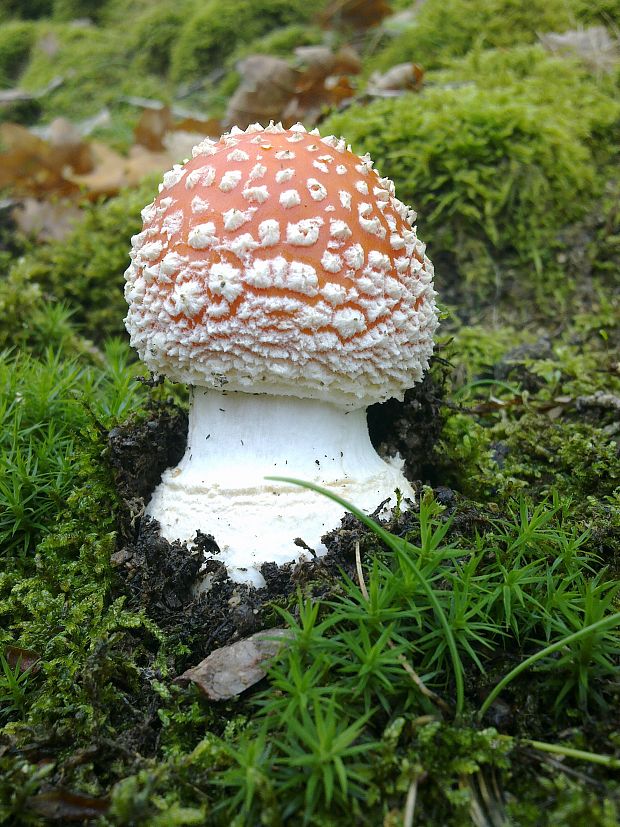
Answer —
(456, 665)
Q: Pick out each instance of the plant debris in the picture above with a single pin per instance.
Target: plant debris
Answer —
(229, 671)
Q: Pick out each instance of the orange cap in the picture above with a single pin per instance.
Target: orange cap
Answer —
(277, 261)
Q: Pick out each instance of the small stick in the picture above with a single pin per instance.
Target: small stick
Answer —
(360, 573)
(412, 794)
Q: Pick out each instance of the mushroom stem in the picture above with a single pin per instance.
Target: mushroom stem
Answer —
(235, 440)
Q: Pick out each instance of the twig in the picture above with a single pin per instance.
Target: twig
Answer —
(432, 696)
(360, 573)
(412, 794)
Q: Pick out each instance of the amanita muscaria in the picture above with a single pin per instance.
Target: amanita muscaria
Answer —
(279, 276)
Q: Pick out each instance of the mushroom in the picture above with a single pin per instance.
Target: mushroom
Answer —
(279, 276)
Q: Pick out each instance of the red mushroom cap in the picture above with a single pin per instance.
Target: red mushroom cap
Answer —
(277, 261)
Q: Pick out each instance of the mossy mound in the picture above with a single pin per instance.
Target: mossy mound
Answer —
(212, 34)
(154, 34)
(16, 41)
(495, 163)
(83, 271)
(93, 64)
(440, 32)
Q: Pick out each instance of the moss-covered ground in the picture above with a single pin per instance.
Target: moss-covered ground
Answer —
(466, 671)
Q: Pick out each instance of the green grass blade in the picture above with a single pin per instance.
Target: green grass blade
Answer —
(397, 545)
(612, 620)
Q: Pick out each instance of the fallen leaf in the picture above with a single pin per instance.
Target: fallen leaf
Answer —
(404, 77)
(158, 120)
(30, 165)
(26, 658)
(113, 171)
(46, 220)
(63, 806)
(228, 671)
(267, 85)
(594, 45)
(319, 62)
(153, 124)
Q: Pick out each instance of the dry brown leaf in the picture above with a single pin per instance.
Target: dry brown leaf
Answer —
(31, 165)
(112, 171)
(323, 82)
(267, 85)
(231, 670)
(64, 806)
(158, 120)
(26, 658)
(404, 77)
(46, 220)
(271, 89)
(360, 14)
(153, 124)
(319, 62)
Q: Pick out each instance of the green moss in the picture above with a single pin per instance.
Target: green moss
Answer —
(154, 34)
(94, 65)
(281, 42)
(213, 33)
(443, 31)
(65, 10)
(594, 12)
(575, 803)
(32, 10)
(16, 39)
(85, 270)
(496, 166)
(529, 424)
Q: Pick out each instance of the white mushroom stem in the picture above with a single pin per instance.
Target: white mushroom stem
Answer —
(235, 440)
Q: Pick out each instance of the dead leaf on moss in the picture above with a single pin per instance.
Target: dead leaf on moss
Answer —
(323, 81)
(404, 77)
(359, 14)
(267, 85)
(153, 124)
(112, 171)
(46, 220)
(272, 89)
(64, 806)
(594, 45)
(158, 120)
(31, 165)
(231, 670)
(25, 658)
